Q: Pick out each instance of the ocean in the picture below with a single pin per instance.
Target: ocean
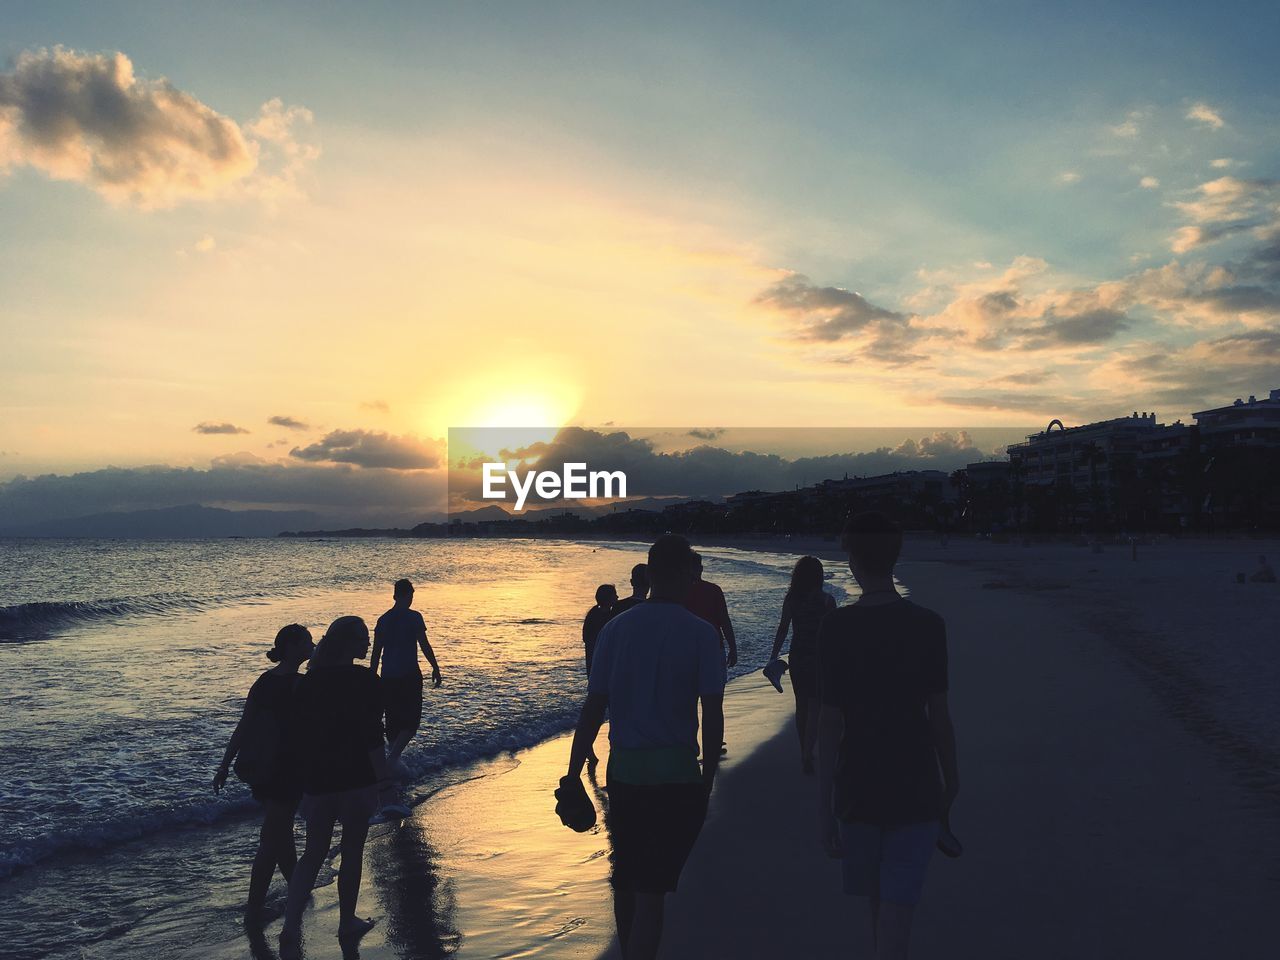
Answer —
(126, 664)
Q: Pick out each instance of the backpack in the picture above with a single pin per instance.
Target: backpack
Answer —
(260, 745)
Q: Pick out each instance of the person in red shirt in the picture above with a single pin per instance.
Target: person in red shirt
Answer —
(706, 599)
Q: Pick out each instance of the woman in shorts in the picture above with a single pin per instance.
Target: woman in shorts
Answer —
(263, 735)
(805, 605)
(338, 709)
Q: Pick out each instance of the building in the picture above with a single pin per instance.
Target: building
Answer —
(1251, 423)
(1085, 458)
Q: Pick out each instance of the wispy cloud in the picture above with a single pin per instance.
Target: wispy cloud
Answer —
(1201, 112)
(289, 423)
(213, 429)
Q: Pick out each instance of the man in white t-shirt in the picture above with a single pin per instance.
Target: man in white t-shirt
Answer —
(652, 665)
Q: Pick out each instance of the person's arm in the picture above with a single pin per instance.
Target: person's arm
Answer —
(712, 736)
(783, 626)
(944, 742)
(727, 628)
(430, 654)
(233, 748)
(584, 737)
(375, 655)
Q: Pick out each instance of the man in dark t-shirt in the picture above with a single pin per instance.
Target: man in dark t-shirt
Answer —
(639, 590)
(596, 618)
(887, 755)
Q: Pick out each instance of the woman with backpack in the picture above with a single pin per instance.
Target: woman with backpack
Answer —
(260, 750)
(805, 605)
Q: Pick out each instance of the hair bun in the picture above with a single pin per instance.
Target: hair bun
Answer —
(273, 655)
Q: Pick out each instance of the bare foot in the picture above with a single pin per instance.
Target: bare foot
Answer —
(355, 927)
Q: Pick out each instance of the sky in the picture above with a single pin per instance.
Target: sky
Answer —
(277, 251)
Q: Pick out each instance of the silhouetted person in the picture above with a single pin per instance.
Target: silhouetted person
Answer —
(639, 589)
(262, 740)
(651, 668)
(397, 637)
(803, 609)
(706, 599)
(338, 712)
(596, 618)
(885, 736)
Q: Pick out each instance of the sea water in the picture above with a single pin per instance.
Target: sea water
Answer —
(125, 666)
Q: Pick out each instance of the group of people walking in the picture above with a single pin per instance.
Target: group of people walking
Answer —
(872, 721)
(870, 681)
(327, 745)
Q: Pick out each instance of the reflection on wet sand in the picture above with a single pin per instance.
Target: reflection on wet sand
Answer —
(419, 905)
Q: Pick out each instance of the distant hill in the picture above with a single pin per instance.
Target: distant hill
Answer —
(176, 523)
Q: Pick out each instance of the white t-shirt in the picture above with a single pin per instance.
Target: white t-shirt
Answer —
(653, 662)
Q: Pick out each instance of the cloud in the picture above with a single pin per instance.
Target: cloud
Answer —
(88, 118)
(1069, 176)
(1128, 129)
(1222, 163)
(1149, 183)
(709, 471)
(1201, 112)
(824, 313)
(367, 448)
(209, 428)
(377, 406)
(709, 434)
(346, 495)
(289, 423)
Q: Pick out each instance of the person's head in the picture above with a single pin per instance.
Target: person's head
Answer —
(671, 567)
(346, 639)
(697, 564)
(806, 576)
(293, 645)
(606, 595)
(402, 592)
(640, 579)
(873, 542)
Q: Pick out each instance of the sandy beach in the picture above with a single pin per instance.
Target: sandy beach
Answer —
(1108, 808)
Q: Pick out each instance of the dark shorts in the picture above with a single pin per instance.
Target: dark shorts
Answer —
(283, 789)
(887, 862)
(402, 703)
(653, 829)
(804, 676)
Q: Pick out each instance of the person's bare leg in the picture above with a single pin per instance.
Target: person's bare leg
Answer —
(349, 871)
(624, 911)
(813, 711)
(646, 926)
(396, 746)
(893, 932)
(319, 836)
(277, 830)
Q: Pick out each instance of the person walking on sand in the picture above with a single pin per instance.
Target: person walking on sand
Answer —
(887, 750)
(639, 589)
(596, 618)
(338, 716)
(260, 747)
(803, 609)
(397, 637)
(651, 669)
(706, 599)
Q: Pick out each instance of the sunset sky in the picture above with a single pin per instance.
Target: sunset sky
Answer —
(288, 248)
